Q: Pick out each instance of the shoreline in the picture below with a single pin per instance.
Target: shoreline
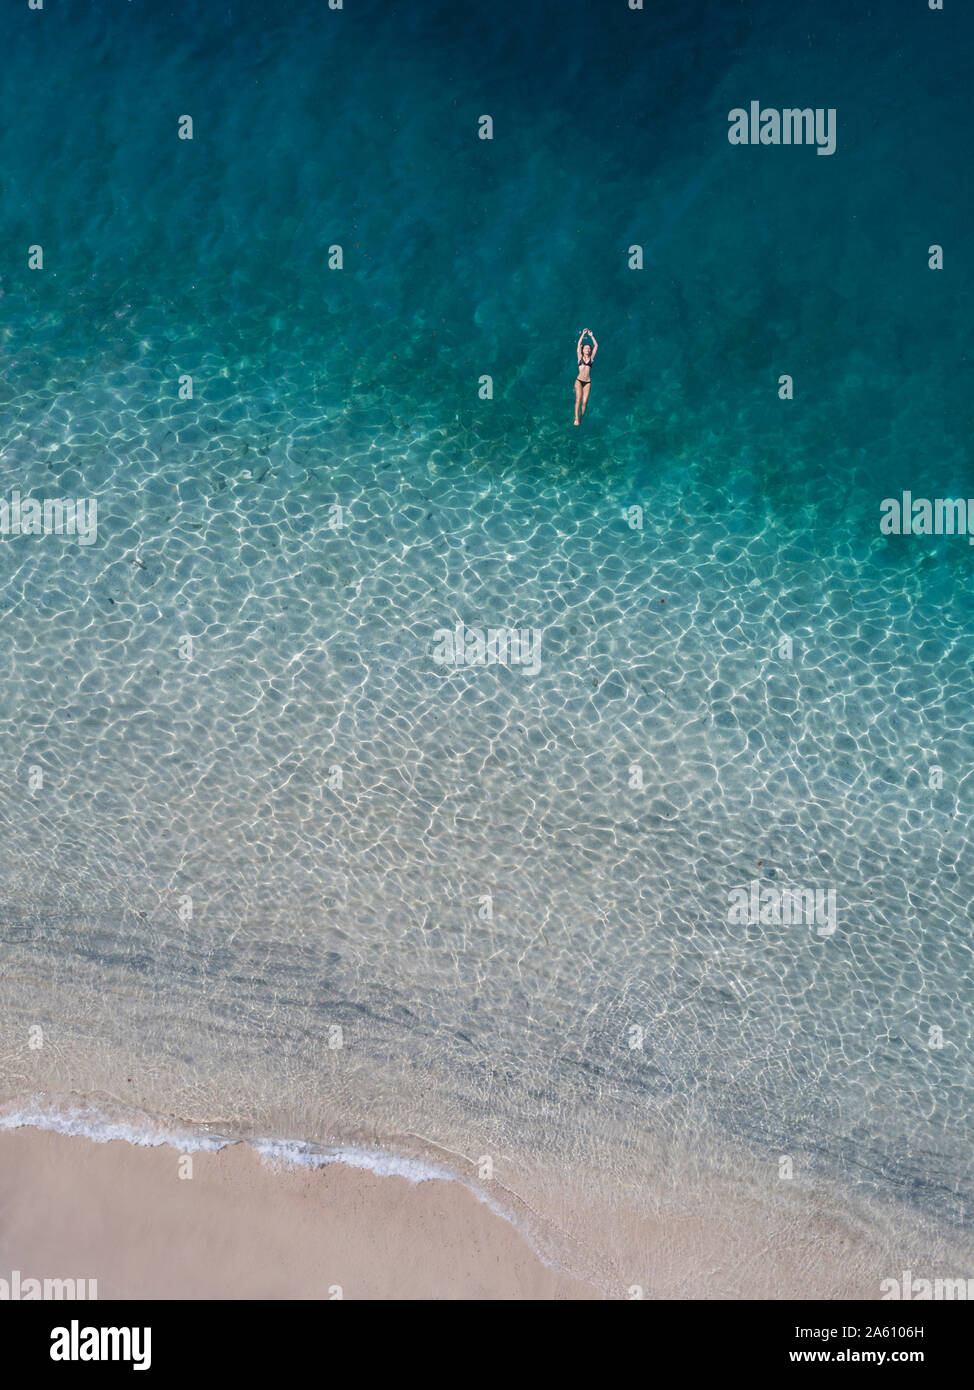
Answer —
(187, 1213)
(146, 1223)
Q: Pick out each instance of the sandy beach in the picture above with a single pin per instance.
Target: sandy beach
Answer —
(242, 1228)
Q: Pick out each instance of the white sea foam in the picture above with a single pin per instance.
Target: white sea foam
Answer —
(386, 1165)
(84, 1119)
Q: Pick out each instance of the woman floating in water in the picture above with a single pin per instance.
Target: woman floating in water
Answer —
(583, 382)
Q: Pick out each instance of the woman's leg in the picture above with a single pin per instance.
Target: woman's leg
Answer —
(578, 397)
(585, 394)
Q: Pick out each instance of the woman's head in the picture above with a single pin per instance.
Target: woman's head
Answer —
(586, 352)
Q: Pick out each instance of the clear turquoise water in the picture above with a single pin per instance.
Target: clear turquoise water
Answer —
(358, 906)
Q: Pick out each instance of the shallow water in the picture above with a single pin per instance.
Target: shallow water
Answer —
(358, 902)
